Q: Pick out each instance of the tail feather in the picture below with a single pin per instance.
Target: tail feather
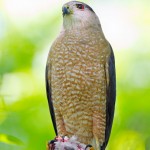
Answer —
(103, 147)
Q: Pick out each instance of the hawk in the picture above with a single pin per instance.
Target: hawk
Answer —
(80, 78)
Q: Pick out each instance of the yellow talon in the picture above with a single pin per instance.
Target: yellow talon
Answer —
(91, 148)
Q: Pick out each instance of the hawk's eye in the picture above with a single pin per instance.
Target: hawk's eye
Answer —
(80, 6)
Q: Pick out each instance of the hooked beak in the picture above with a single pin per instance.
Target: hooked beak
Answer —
(66, 11)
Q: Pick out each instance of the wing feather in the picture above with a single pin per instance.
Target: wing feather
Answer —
(49, 97)
(111, 95)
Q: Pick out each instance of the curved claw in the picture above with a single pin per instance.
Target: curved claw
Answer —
(89, 147)
(52, 142)
(51, 145)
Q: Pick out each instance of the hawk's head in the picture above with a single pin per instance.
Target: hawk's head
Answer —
(79, 15)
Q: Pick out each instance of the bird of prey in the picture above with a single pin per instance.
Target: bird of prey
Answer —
(80, 78)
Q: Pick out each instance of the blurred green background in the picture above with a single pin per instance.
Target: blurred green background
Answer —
(28, 28)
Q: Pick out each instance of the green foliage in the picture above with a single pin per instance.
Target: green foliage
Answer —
(8, 139)
(25, 122)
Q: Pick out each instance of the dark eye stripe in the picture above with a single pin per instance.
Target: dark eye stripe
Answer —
(89, 8)
(80, 6)
(85, 5)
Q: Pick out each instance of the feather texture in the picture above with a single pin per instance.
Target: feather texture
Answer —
(81, 83)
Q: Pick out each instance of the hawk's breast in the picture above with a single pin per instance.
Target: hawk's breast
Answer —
(78, 80)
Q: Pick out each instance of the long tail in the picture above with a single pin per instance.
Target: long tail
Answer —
(103, 147)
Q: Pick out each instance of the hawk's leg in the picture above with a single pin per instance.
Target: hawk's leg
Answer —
(60, 124)
(99, 128)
